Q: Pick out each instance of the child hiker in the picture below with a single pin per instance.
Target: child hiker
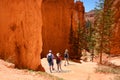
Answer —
(58, 62)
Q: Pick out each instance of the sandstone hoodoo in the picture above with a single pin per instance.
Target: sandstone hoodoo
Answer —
(56, 16)
(20, 35)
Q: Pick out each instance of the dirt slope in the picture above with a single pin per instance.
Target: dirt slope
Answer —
(74, 71)
(77, 71)
(8, 72)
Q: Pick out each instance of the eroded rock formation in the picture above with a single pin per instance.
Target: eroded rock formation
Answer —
(115, 48)
(78, 15)
(56, 25)
(79, 7)
(20, 35)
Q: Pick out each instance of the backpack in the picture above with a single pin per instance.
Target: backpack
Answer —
(49, 58)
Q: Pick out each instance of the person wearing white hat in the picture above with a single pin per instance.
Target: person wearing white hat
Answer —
(50, 57)
(58, 61)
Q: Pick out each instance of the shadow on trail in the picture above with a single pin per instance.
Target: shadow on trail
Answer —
(63, 71)
(70, 64)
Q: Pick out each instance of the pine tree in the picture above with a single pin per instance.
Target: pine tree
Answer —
(90, 38)
(81, 38)
(103, 22)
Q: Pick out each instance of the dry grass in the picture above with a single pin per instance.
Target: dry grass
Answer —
(108, 67)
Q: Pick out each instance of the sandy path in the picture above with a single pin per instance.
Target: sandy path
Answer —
(74, 71)
(77, 71)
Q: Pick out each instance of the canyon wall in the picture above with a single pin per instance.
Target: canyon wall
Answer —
(78, 15)
(20, 35)
(80, 11)
(115, 47)
(56, 16)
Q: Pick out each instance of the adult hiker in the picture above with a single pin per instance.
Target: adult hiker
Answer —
(50, 58)
(58, 62)
(66, 57)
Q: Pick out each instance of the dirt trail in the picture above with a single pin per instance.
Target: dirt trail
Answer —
(77, 71)
(73, 71)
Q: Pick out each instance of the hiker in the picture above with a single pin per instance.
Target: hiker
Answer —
(66, 57)
(58, 61)
(50, 58)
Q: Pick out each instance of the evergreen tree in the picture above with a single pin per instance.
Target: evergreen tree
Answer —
(81, 38)
(90, 38)
(103, 22)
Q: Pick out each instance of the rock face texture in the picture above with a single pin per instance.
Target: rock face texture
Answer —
(56, 16)
(115, 49)
(78, 14)
(20, 35)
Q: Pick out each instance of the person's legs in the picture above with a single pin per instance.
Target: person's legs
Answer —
(52, 66)
(50, 69)
(60, 66)
(65, 62)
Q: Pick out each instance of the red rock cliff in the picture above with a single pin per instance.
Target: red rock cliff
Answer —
(80, 11)
(115, 49)
(56, 25)
(78, 15)
(20, 35)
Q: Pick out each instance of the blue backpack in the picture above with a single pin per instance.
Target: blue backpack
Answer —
(49, 58)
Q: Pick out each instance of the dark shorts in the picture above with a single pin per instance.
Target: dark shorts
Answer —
(58, 62)
(50, 63)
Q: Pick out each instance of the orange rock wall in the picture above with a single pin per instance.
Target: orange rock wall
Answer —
(78, 15)
(56, 16)
(20, 35)
(80, 11)
(115, 49)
